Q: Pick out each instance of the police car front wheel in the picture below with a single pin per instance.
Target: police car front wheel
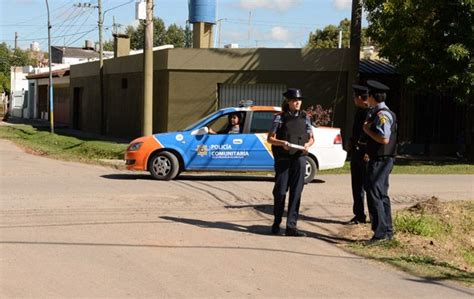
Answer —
(163, 166)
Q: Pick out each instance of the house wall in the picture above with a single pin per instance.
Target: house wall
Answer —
(185, 84)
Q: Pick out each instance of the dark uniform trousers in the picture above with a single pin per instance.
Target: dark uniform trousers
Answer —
(379, 169)
(289, 174)
(359, 172)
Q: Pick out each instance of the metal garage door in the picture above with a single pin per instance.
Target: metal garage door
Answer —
(230, 95)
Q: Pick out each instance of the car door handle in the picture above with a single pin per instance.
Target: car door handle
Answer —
(237, 141)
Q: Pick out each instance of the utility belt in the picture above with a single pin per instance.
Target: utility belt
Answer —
(381, 158)
(360, 146)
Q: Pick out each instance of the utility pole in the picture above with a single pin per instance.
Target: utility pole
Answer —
(103, 126)
(220, 31)
(148, 71)
(249, 29)
(340, 39)
(16, 40)
(51, 104)
(353, 74)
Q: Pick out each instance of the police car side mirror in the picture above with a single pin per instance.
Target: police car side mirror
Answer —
(200, 131)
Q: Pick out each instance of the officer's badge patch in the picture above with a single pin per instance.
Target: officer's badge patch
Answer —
(382, 119)
(201, 150)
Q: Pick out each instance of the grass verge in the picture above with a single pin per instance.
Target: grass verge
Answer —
(60, 146)
(434, 240)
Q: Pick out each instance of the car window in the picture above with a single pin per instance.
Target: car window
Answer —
(221, 125)
(261, 121)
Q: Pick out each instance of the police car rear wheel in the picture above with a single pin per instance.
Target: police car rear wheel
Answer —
(163, 166)
(310, 170)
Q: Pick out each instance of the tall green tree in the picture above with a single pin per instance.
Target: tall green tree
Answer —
(329, 36)
(175, 36)
(431, 42)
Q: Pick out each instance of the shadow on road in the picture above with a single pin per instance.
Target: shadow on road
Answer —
(268, 209)
(200, 177)
(125, 177)
(254, 229)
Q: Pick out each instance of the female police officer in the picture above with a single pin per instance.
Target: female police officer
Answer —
(289, 128)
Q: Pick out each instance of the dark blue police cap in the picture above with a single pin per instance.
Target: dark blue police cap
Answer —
(360, 90)
(377, 87)
(293, 93)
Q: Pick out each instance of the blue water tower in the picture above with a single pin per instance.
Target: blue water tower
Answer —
(202, 11)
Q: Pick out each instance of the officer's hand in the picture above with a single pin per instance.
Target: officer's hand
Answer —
(306, 148)
(286, 147)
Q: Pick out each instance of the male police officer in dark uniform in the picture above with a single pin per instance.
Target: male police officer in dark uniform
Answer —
(357, 145)
(290, 129)
(381, 128)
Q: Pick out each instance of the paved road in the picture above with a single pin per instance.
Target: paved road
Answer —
(77, 230)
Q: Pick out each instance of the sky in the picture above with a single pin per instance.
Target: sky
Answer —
(248, 23)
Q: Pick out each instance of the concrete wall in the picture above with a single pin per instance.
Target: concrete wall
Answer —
(185, 84)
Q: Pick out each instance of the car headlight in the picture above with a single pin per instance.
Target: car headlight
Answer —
(134, 146)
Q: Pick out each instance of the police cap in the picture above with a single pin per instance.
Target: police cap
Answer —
(293, 93)
(377, 87)
(360, 90)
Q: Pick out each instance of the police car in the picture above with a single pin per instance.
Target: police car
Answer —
(194, 148)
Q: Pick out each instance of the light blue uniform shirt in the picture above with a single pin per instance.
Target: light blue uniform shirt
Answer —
(383, 121)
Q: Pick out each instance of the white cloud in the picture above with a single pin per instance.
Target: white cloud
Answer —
(290, 45)
(279, 5)
(342, 4)
(280, 33)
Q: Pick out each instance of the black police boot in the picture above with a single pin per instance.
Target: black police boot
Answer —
(293, 232)
(275, 228)
(357, 220)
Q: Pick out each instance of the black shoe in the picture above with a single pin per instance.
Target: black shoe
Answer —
(356, 220)
(275, 228)
(293, 232)
(375, 240)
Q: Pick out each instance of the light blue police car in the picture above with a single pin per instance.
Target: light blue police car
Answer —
(206, 146)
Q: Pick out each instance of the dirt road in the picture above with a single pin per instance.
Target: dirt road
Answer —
(76, 230)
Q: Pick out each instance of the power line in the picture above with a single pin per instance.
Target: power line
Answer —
(44, 38)
(90, 13)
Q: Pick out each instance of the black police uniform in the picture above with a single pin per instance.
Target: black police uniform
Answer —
(380, 166)
(289, 166)
(358, 164)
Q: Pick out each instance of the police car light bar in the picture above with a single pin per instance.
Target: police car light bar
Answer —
(246, 103)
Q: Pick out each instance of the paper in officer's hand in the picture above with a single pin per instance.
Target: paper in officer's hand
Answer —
(296, 146)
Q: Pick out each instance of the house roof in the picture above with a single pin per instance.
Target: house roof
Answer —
(56, 73)
(77, 52)
(368, 66)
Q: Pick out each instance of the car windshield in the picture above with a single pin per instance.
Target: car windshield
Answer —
(201, 121)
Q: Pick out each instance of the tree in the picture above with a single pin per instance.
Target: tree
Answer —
(109, 45)
(175, 36)
(188, 36)
(329, 36)
(430, 42)
(9, 58)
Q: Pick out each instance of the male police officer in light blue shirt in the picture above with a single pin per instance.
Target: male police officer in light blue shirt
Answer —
(381, 129)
